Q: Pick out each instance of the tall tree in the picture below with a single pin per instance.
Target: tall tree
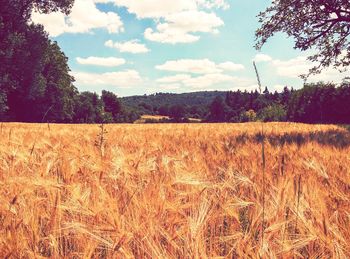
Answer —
(323, 25)
(217, 110)
(111, 104)
(25, 55)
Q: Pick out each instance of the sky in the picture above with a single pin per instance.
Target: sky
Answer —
(136, 47)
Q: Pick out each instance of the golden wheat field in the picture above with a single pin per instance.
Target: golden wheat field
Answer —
(174, 191)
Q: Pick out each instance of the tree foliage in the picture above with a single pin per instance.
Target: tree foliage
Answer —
(35, 84)
(111, 104)
(34, 76)
(217, 110)
(323, 25)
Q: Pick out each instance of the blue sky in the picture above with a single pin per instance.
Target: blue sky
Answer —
(141, 47)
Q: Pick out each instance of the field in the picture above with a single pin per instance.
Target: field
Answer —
(276, 190)
(157, 118)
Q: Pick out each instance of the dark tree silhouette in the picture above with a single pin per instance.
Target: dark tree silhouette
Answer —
(34, 75)
(111, 104)
(217, 110)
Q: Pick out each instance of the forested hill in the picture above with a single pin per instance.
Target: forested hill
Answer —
(314, 103)
(151, 104)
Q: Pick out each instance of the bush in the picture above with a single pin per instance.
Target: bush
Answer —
(276, 112)
(248, 116)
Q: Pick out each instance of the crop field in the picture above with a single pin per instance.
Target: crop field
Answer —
(159, 118)
(252, 190)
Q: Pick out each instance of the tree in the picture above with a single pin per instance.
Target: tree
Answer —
(111, 104)
(163, 110)
(88, 108)
(177, 112)
(320, 24)
(285, 96)
(274, 112)
(320, 103)
(33, 69)
(248, 116)
(217, 110)
(58, 102)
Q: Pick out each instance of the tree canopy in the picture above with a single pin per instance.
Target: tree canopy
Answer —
(322, 25)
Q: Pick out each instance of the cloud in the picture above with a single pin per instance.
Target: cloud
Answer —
(230, 66)
(156, 8)
(177, 21)
(161, 8)
(297, 66)
(167, 36)
(99, 61)
(121, 79)
(291, 68)
(202, 74)
(198, 66)
(132, 46)
(173, 79)
(170, 87)
(207, 81)
(294, 67)
(214, 4)
(84, 18)
(180, 27)
(262, 58)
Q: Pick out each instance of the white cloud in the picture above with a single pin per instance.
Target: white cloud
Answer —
(84, 17)
(230, 66)
(170, 87)
(180, 27)
(133, 46)
(294, 67)
(198, 66)
(207, 81)
(168, 36)
(99, 61)
(262, 58)
(156, 8)
(122, 79)
(173, 79)
(291, 68)
(162, 8)
(177, 21)
(214, 4)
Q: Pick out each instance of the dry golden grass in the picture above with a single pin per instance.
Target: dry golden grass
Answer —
(154, 117)
(174, 191)
(144, 118)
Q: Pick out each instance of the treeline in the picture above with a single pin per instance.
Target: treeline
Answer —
(35, 84)
(315, 103)
(190, 105)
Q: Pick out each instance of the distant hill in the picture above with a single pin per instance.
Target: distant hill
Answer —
(194, 103)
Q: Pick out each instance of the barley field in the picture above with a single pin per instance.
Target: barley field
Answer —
(277, 190)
